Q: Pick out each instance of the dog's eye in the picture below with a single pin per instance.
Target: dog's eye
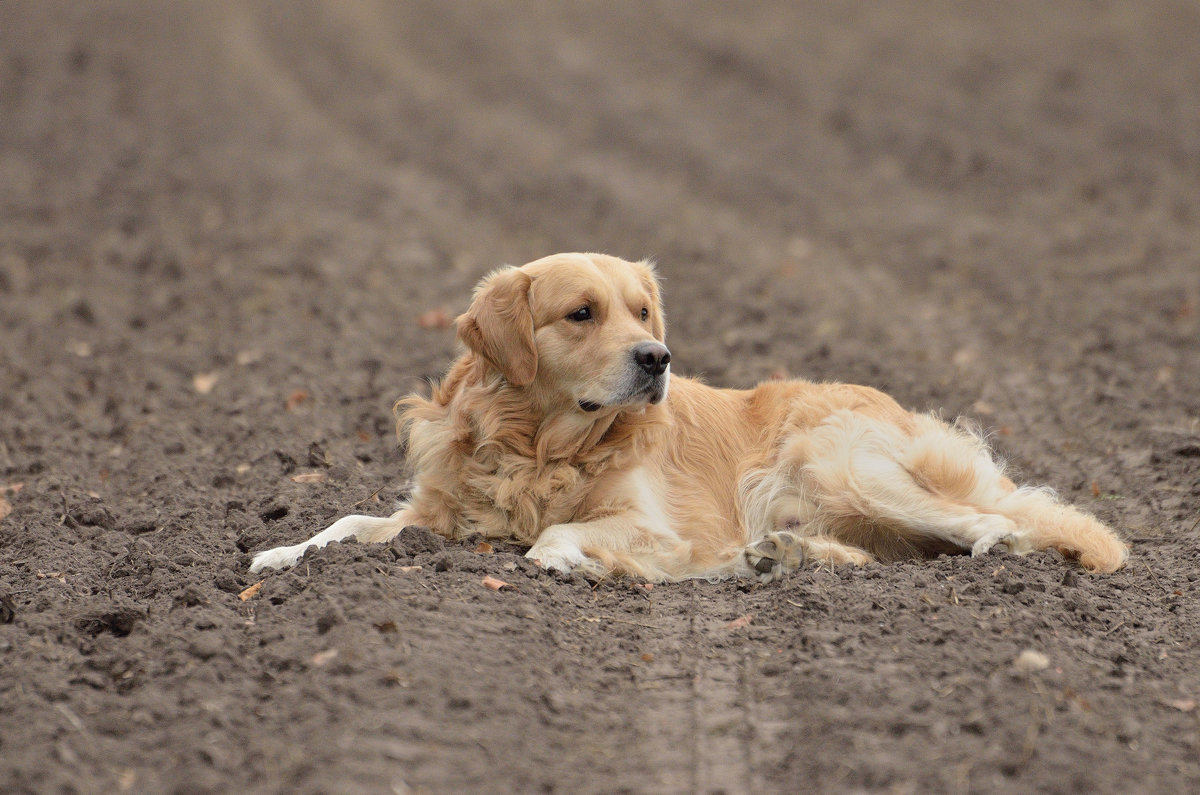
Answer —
(581, 314)
(645, 314)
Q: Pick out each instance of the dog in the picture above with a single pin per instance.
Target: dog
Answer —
(560, 426)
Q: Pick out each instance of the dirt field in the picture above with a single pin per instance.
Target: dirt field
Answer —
(229, 233)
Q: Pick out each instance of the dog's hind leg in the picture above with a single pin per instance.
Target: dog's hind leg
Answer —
(780, 553)
(823, 549)
(894, 490)
(936, 484)
(365, 529)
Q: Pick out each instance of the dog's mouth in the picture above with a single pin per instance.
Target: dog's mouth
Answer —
(648, 395)
(656, 394)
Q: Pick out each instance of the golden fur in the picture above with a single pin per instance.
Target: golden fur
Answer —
(561, 427)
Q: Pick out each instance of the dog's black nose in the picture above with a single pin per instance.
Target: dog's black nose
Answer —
(653, 357)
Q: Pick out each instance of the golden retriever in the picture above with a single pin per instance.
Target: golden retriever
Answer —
(561, 427)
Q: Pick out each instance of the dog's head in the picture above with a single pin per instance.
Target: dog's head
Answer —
(581, 328)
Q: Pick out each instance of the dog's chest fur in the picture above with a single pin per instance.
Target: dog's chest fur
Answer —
(484, 463)
(512, 495)
(505, 493)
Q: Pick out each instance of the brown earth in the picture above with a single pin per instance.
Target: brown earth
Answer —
(222, 222)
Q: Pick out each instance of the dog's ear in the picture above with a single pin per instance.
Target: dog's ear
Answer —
(499, 325)
(649, 277)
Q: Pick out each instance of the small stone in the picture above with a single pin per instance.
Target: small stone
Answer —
(1031, 660)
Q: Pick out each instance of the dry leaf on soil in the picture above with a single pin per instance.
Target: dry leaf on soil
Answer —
(309, 477)
(295, 399)
(494, 584)
(252, 591)
(740, 621)
(484, 548)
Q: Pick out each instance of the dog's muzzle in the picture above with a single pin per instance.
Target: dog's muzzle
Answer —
(652, 360)
(646, 378)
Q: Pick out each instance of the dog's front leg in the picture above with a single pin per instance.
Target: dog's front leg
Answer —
(623, 544)
(365, 529)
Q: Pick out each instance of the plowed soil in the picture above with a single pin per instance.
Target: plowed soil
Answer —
(231, 235)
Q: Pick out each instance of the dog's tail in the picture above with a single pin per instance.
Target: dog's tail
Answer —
(1056, 525)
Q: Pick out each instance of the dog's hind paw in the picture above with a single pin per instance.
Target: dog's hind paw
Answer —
(775, 556)
(992, 530)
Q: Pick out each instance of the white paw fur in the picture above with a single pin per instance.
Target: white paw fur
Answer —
(557, 551)
(993, 530)
(278, 558)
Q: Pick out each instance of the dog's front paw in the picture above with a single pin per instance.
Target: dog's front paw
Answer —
(558, 549)
(775, 555)
(557, 554)
(278, 558)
